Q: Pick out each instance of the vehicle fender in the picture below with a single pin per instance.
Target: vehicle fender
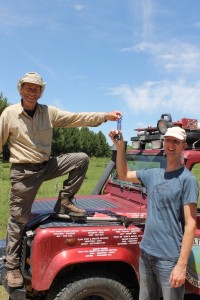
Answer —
(43, 277)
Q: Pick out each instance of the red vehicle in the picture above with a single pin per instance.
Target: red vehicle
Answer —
(97, 256)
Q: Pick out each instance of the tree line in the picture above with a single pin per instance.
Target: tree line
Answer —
(67, 140)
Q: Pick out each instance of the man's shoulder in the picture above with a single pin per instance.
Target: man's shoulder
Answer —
(13, 108)
(149, 171)
(42, 106)
(46, 107)
(152, 170)
(188, 177)
(187, 173)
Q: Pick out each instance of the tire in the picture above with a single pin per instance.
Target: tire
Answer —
(90, 286)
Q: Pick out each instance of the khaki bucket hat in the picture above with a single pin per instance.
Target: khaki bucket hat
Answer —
(31, 77)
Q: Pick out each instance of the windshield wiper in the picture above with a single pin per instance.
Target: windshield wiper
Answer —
(133, 186)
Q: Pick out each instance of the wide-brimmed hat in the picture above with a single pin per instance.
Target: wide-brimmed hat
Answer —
(176, 132)
(31, 77)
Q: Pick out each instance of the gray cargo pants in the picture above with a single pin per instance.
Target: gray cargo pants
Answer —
(25, 182)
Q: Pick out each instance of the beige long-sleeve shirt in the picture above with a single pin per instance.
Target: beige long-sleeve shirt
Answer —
(29, 139)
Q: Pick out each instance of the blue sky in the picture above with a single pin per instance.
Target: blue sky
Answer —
(141, 57)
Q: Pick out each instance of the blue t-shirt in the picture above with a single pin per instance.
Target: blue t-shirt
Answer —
(167, 193)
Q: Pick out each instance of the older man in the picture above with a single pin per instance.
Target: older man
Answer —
(28, 128)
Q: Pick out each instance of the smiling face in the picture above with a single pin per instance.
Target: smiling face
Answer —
(30, 92)
(173, 147)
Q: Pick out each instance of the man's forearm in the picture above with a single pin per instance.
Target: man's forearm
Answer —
(121, 163)
(187, 244)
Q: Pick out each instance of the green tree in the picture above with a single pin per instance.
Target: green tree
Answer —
(57, 141)
(86, 140)
(67, 140)
(71, 140)
(3, 104)
(102, 149)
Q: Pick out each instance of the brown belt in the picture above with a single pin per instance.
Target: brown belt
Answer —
(29, 166)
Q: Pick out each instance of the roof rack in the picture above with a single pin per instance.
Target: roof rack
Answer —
(155, 135)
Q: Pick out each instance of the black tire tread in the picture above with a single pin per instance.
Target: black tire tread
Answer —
(75, 287)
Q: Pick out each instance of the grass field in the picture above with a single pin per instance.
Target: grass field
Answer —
(51, 189)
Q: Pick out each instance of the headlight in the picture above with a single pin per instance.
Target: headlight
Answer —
(164, 123)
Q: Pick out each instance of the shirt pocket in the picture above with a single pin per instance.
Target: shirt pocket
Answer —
(44, 136)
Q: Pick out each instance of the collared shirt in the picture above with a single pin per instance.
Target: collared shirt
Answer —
(30, 139)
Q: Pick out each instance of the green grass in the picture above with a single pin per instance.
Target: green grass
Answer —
(196, 173)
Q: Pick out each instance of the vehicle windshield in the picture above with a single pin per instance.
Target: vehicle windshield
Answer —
(138, 162)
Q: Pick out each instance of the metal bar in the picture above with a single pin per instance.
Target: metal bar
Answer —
(122, 219)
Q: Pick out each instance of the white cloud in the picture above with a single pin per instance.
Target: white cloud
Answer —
(143, 12)
(174, 56)
(179, 97)
(168, 53)
(79, 7)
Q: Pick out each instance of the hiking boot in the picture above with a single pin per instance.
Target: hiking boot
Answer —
(14, 278)
(65, 207)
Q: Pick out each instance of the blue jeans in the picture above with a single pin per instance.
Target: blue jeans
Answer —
(154, 279)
